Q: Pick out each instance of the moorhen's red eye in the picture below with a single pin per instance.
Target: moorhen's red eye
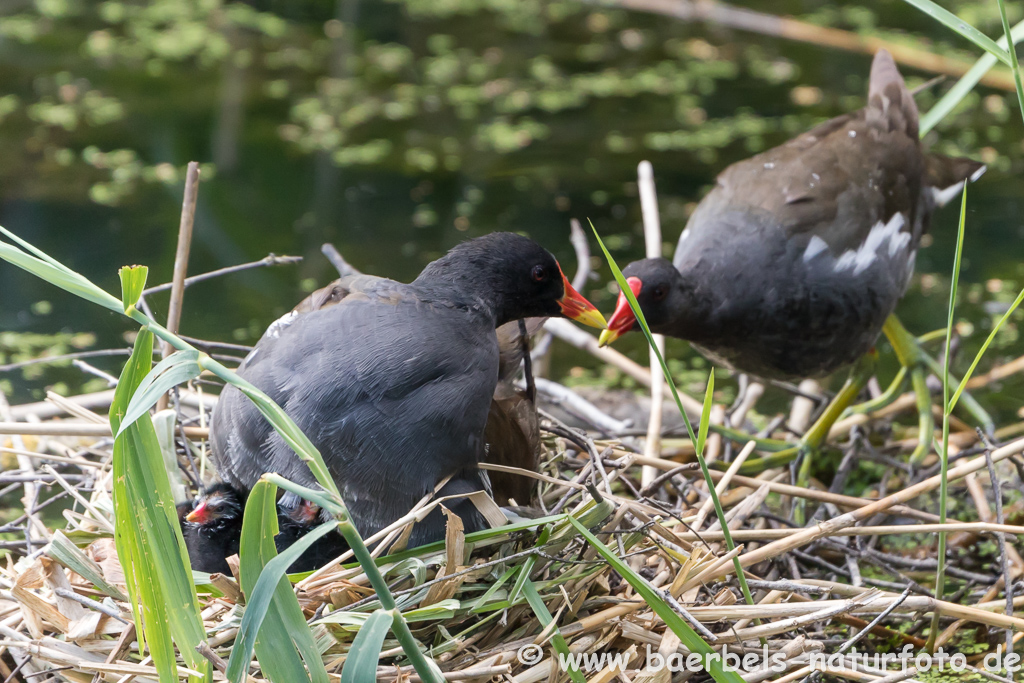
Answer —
(658, 293)
(539, 273)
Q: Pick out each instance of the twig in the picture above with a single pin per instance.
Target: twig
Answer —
(76, 429)
(875, 622)
(719, 13)
(63, 357)
(269, 260)
(576, 404)
(343, 267)
(1004, 558)
(188, 215)
(652, 241)
(91, 604)
(34, 526)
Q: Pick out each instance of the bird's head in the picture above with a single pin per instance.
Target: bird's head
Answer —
(657, 286)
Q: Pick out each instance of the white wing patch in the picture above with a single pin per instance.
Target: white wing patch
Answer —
(881, 234)
(814, 247)
(274, 331)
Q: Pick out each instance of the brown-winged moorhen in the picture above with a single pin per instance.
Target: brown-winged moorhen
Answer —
(790, 266)
(393, 383)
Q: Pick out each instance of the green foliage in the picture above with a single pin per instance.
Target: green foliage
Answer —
(133, 281)
(148, 536)
(273, 623)
(361, 663)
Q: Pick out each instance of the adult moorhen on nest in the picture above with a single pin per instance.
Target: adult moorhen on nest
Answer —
(792, 264)
(393, 383)
(512, 435)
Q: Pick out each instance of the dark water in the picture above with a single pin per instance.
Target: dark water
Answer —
(397, 129)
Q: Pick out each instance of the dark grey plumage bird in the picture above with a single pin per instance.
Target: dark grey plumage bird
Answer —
(212, 527)
(792, 263)
(393, 382)
(512, 435)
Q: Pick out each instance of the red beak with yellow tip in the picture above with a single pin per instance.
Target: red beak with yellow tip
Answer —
(197, 516)
(622, 320)
(577, 308)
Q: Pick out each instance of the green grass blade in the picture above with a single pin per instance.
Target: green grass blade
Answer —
(965, 85)
(64, 278)
(284, 425)
(63, 550)
(962, 28)
(984, 347)
(361, 663)
(689, 638)
(180, 366)
(557, 640)
(147, 534)
(133, 281)
(940, 571)
(624, 288)
(1013, 57)
(698, 441)
(273, 624)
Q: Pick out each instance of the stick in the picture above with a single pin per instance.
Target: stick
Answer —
(269, 260)
(188, 215)
(722, 14)
(34, 526)
(76, 429)
(832, 526)
(652, 241)
(343, 267)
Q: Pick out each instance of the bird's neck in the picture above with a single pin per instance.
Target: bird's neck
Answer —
(690, 318)
(475, 291)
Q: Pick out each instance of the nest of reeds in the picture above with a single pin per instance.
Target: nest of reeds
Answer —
(627, 544)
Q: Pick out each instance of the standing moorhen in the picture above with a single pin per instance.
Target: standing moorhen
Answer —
(793, 263)
(393, 383)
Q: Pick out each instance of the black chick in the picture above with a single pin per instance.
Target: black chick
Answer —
(212, 528)
(295, 520)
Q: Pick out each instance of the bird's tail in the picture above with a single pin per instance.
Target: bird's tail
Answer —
(889, 101)
(946, 175)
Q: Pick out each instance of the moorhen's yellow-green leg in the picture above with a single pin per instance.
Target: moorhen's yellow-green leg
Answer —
(887, 397)
(816, 435)
(911, 356)
(818, 432)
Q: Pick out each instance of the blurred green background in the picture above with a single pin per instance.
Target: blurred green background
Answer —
(396, 128)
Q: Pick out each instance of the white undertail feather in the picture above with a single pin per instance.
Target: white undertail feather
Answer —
(861, 258)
